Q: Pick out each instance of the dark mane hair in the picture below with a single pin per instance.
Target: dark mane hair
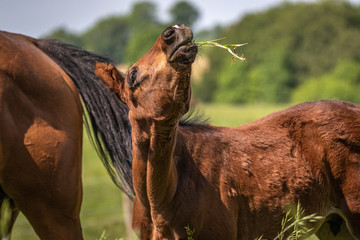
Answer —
(194, 117)
(106, 117)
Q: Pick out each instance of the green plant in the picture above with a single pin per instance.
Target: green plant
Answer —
(104, 236)
(225, 46)
(296, 222)
(5, 215)
(189, 232)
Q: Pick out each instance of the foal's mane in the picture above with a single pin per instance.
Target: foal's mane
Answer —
(106, 117)
(194, 117)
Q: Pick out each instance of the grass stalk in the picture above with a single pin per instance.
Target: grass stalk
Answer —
(189, 232)
(231, 48)
(298, 223)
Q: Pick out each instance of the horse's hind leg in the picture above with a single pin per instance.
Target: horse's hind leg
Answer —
(52, 222)
(51, 203)
(52, 206)
(43, 177)
(8, 215)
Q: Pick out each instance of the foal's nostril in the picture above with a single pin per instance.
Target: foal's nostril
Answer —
(174, 32)
(168, 33)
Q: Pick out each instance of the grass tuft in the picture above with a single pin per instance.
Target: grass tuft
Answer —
(298, 223)
(189, 232)
(231, 48)
(104, 236)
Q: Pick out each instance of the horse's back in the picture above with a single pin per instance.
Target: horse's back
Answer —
(40, 136)
(327, 121)
(325, 134)
(323, 112)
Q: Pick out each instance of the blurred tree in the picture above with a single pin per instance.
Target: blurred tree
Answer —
(109, 37)
(209, 34)
(145, 29)
(288, 45)
(293, 48)
(64, 35)
(123, 38)
(141, 42)
(343, 82)
(185, 13)
(142, 15)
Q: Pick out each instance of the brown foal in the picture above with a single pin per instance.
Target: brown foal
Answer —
(230, 183)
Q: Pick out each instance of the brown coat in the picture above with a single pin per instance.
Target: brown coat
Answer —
(231, 183)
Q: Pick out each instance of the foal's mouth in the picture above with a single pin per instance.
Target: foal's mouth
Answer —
(184, 53)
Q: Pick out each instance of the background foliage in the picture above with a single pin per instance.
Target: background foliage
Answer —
(296, 52)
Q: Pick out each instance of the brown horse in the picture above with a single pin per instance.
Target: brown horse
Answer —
(230, 183)
(41, 132)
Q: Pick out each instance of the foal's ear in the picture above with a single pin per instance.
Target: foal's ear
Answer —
(110, 76)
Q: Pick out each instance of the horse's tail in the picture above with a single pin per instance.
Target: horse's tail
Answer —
(106, 119)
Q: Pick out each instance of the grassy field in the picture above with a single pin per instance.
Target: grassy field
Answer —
(235, 115)
(102, 208)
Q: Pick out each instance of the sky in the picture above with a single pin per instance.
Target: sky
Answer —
(39, 17)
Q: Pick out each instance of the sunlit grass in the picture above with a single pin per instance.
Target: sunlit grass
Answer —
(235, 115)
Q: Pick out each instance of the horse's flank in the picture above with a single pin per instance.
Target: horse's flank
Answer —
(36, 103)
(41, 132)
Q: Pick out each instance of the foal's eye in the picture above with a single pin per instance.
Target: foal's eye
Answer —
(132, 78)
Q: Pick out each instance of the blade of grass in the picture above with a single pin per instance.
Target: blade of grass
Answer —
(224, 46)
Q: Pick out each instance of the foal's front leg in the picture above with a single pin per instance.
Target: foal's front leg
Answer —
(141, 222)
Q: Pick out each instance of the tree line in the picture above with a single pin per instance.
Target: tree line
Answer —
(125, 38)
(296, 51)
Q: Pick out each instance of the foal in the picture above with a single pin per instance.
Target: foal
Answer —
(230, 183)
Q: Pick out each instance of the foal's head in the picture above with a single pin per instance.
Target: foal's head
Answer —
(158, 85)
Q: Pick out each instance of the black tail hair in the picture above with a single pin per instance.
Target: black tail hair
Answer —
(106, 119)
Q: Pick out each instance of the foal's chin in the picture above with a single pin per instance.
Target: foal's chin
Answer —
(185, 55)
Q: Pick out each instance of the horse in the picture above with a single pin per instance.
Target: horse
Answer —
(230, 182)
(45, 88)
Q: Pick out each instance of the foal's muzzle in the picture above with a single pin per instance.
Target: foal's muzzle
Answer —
(180, 49)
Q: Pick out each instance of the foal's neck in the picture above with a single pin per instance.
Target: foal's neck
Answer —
(154, 171)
